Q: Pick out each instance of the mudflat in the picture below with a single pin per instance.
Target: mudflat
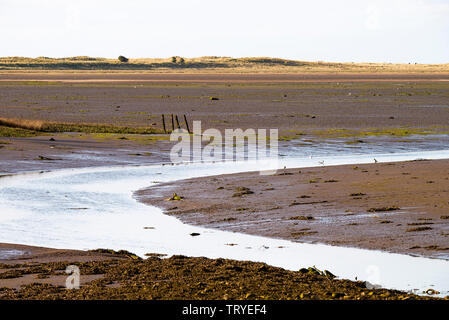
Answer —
(295, 104)
(396, 207)
(331, 204)
(315, 107)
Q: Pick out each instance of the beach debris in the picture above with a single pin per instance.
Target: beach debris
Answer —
(329, 274)
(302, 218)
(431, 292)
(52, 139)
(194, 234)
(284, 173)
(45, 158)
(417, 229)
(240, 191)
(214, 98)
(139, 154)
(384, 209)
(419, 223)
(294, 203)
(316, 271)
(444, 217)
(375, 161)
(149, 228)
(175, 197)
(303, 233)
(120, 252)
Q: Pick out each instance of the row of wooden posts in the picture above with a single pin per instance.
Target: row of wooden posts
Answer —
(178, 126)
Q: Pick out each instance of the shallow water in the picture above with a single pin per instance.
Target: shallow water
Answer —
(6, 254)
(93, 208)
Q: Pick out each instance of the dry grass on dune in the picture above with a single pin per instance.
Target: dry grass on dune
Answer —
(36, 125)
(213, 64)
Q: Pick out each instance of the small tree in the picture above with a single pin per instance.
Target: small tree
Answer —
(173, 59)
(182, 61)
(122, 59)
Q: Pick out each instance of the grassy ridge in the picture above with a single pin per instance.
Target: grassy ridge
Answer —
(24, 127)
(8, 132)
(212, 63)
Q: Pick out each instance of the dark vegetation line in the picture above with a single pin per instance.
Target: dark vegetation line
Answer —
(31, 127)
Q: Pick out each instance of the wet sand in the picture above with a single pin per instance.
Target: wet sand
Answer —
(62, 151)
(310, 106)
(279, 207)
(105, 274)
(293, 106)
(396, 207)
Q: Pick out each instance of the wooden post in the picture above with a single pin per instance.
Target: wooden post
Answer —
(172, 123)
(177, 122)
(187, 124)
(163, 123)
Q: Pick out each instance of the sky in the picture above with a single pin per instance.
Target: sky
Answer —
(397, 31)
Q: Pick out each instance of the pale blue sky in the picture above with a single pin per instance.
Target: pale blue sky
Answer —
(344, 30)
